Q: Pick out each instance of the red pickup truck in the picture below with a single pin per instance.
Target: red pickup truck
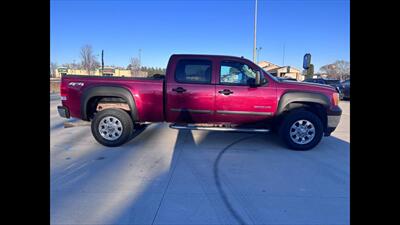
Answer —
(203, 92)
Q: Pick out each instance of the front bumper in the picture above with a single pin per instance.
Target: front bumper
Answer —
(333, 119)
(63, 111)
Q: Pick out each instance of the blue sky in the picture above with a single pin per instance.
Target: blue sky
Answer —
(161, 28)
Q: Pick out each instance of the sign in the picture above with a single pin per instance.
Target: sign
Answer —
(108, 70)
(306, 61)
(62, 70)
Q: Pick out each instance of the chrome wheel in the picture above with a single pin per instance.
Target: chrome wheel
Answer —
(302, 132)
(110, 128)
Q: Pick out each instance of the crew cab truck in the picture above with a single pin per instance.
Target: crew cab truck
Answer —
(203, 92)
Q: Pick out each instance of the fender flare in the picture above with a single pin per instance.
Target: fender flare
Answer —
(302, 96)
(108, 91)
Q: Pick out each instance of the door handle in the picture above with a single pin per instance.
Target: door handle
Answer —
(179, 89)
(225, 92)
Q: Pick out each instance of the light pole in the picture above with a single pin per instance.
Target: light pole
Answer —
(255, 33)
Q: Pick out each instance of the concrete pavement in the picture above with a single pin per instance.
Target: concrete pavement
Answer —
(166, 176)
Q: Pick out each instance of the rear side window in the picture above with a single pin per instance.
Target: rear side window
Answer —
(193, 71)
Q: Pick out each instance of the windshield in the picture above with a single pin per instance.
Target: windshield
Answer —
(270, 75)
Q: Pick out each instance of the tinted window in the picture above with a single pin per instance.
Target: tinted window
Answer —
(333, 81)
(309, 80)
(193, 71)
(236, 73)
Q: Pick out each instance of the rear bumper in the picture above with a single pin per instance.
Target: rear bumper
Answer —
(333, 119)
(63, 111)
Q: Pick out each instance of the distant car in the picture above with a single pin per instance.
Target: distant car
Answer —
(286, 78)
(331, 82)
(346, 89)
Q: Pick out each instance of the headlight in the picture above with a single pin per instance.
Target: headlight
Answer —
(335, 98)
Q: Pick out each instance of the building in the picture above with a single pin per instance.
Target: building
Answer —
(267, 65)
(281, 71)
(108, 71)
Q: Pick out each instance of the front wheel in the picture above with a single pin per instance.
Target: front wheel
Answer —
(112, 127)
(301, 130)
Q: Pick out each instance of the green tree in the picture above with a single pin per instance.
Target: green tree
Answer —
(309, 72)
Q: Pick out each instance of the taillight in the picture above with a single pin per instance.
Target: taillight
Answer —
(63, 90)
(335, 99)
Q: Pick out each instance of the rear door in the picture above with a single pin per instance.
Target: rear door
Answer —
(190, 92)
(238, 103)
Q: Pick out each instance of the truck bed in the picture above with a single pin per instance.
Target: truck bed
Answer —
(147, 93)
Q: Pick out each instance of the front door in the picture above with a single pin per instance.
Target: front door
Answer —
(191, 95)
(236, 102)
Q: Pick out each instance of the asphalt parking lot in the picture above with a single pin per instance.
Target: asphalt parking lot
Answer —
(166, 176)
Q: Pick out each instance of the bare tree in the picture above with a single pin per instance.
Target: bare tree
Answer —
(88, 59)
(134, 67)
(338, 70)
(343, 69)
(53, 68)
(329, 70)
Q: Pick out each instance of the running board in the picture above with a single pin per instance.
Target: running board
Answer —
(183, 127)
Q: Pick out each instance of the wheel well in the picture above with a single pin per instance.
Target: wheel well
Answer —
(316, 108)
(98, 103)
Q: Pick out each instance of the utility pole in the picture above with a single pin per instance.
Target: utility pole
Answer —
(140, 58)
(102, 62)
(283, 58)
(73, 66)
(255, 33)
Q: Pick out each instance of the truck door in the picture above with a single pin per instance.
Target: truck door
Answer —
(190, 92)
(236, 101)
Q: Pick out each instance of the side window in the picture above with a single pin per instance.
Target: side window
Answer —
(235, 73)
(193, 71)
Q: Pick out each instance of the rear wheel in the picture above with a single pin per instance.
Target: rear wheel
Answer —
(301, 130)
(112, 127)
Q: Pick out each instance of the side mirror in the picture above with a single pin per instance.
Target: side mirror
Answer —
(255, 82)
(258, 78)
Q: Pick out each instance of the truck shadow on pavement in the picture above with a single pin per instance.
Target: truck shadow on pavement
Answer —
(202, 177)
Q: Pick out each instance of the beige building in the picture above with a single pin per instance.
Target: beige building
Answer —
(108, 71)
(281, 71)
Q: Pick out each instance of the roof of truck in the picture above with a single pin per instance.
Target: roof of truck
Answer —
(207, 55)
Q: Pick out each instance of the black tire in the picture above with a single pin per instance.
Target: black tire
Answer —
(290, 119)
(123, 117)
